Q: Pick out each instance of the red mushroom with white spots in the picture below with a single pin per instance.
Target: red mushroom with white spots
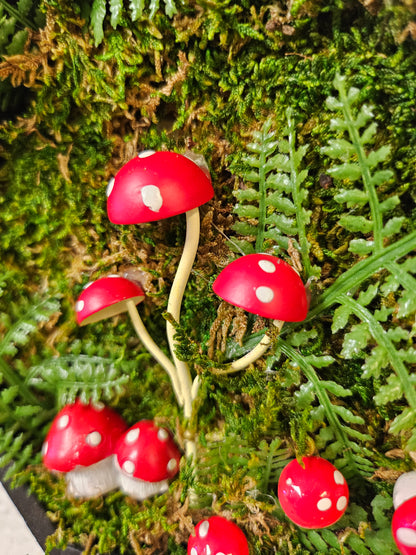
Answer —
(404, 517)
(312, 493)
(147, 458)
(154, 186)
(262, 284)
(80, 443)
(217, 536)
(113, 295)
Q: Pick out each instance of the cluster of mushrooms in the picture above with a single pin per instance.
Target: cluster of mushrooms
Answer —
(93, 445)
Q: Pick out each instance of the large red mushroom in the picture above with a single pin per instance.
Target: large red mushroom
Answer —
(81, 443)
(262, 284)
(217, 536)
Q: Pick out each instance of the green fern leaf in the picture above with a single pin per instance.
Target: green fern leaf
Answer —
(98, 12)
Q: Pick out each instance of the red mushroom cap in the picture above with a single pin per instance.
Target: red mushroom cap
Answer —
(217, 536)
(265, 285)
(81, 435)
(105, 298)
(148, 452)
(156, 185)
(404, 527)
(314, 494)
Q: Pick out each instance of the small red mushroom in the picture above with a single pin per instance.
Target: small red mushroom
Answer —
(265, 285)
(313, 493)
(217, 536)
(147, 457)
(81, 443)
(112, 295)
(404, 527)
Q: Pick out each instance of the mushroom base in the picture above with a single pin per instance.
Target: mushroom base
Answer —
(94, 480)
(140, 489)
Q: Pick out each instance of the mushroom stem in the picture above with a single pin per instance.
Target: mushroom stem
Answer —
(154, 350)
(258, 351)
(175, 300)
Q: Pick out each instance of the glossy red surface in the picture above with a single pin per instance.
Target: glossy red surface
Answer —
(265, 285)
(314, 495)
(148, 452)
(216, 535)
(81, 435)
(106, 297)
(403, 527)
(157, 186)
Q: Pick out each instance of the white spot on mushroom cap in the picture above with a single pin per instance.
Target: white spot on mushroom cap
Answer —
(208, 550)
(264, 294)
(110, 186)
(129, 467)
(162, 434)
(152, 197)
(132, 435)
(99, 406)
(172, 465)
(44, 448)
(79, 305)
(407, 536)
(194, 551)
(324, 504)
(267, 266)
(338, 477)
(145, 153)
(62, 422)
(203, 529)
(289, 481)
(404, 488)
(341, 503)
(94, 439)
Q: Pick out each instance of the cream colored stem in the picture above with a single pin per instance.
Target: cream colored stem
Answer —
(175, 301)
(258, 351)
(154, 350)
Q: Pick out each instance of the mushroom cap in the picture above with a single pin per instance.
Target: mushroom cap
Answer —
(404, 527)
(217, 535)
(148, 452)
(404, 488)
(156, 185)
(314, 495)
(81, 435)
(106, 297)
(265, 285)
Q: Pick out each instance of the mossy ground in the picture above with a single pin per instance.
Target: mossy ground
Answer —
(205, 79)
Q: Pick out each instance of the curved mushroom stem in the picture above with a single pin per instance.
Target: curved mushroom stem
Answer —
(258, 351)
(154, 350)
(175, 300)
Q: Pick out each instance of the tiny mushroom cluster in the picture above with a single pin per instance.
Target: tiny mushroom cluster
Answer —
(312, 493)
(93, 446)
(404, 517)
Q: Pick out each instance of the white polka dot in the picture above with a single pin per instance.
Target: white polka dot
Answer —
(407, 536)
(172, 465)
(129, 467)
(324, 504)
(63, 422)
(113, 276)
(132, 435)
(145, 153)
(194, 551)
(289, 482)
(110, 186)
(79, 305)
(162, 434)
(208, 550)
(94, 439)
(203, 529)
(267, 266)
(264, 294)
(99, 406)
(338, 477)
(220, 553)
(44, 448)
(341, 503)
(152, 197)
